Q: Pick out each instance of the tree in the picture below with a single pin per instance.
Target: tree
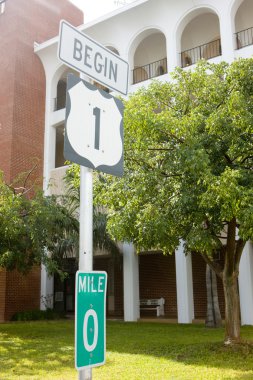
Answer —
(188, 171)
(34, 231)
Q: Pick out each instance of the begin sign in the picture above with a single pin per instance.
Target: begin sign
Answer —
(90, 340)
(81, 52)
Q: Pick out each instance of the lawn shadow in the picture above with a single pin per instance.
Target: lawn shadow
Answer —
(29, 348)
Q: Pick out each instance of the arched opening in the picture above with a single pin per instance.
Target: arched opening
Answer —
(60, 100)
(113, 49)
(59, 146)
(61, 94)
(149, 58)
(60, 103)
(200, 37)
(244, 24)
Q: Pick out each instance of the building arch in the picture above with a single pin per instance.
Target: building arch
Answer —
(199, 27)
(59, 86)
(234, 5)
(148, 54)
(113, 49)
(57, 102)
(241, 15)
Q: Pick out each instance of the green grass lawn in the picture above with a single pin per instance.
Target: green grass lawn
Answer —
(135, 351)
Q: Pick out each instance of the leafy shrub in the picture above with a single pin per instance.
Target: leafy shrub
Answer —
(37, 315)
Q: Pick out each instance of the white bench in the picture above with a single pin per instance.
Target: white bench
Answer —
(153, 304)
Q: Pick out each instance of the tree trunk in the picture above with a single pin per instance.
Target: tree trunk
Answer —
(229, 275)
(232, 309)
(213, 317)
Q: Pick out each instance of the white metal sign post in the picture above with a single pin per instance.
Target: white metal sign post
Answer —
(93, 139)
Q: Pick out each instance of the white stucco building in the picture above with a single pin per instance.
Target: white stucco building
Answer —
(154, 36)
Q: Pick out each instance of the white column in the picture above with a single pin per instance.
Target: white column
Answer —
(46, 289)
(46, 281)
(131, 283)
(185, 305)
(227, 36)
(246, 285)
(49, 139)
(173, 56)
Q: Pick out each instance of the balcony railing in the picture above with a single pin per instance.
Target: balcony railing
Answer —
(244, 38)
(210, 50)
(59, 102)
(151, 70)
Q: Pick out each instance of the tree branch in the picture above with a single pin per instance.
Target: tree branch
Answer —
(160, 149)
(238, 253)
(28, 175)
(245, 159)
(229, 160)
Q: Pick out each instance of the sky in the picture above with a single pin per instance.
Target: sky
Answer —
(95, 8)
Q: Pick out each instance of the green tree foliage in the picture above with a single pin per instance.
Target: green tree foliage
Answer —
(34, 231)
(188, 170)
(101, 238)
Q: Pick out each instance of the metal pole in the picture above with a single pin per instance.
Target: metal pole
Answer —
(86, 235)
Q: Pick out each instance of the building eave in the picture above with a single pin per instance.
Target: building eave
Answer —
(49, 43)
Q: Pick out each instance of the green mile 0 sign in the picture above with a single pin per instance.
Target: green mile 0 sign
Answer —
(90, 340)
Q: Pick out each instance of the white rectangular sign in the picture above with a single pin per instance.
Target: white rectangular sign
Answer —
(90, 318)
(87, 56)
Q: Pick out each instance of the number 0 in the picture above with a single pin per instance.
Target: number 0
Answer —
(90, 347)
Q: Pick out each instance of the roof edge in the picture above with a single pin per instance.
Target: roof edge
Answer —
(39, 47)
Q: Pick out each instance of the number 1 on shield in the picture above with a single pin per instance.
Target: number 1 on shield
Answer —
(96, 113)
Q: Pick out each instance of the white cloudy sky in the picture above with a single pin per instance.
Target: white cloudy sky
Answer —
(96, 8)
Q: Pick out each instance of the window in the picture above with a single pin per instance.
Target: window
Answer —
(2, 6)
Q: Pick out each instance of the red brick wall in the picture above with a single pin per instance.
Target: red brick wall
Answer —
(2, 293)
(118, 287)
(157, 278)
(22, 292)
(199, 288)
(157, 274)
(22, 109)
(101, 263)
(22, 91)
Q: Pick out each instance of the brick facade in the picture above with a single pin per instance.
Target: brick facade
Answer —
(22, 292)
(2, 294)
(22, 112)
(157, 274)
(157, 278)
(22, 91)
(199, 288)
(115, 282)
